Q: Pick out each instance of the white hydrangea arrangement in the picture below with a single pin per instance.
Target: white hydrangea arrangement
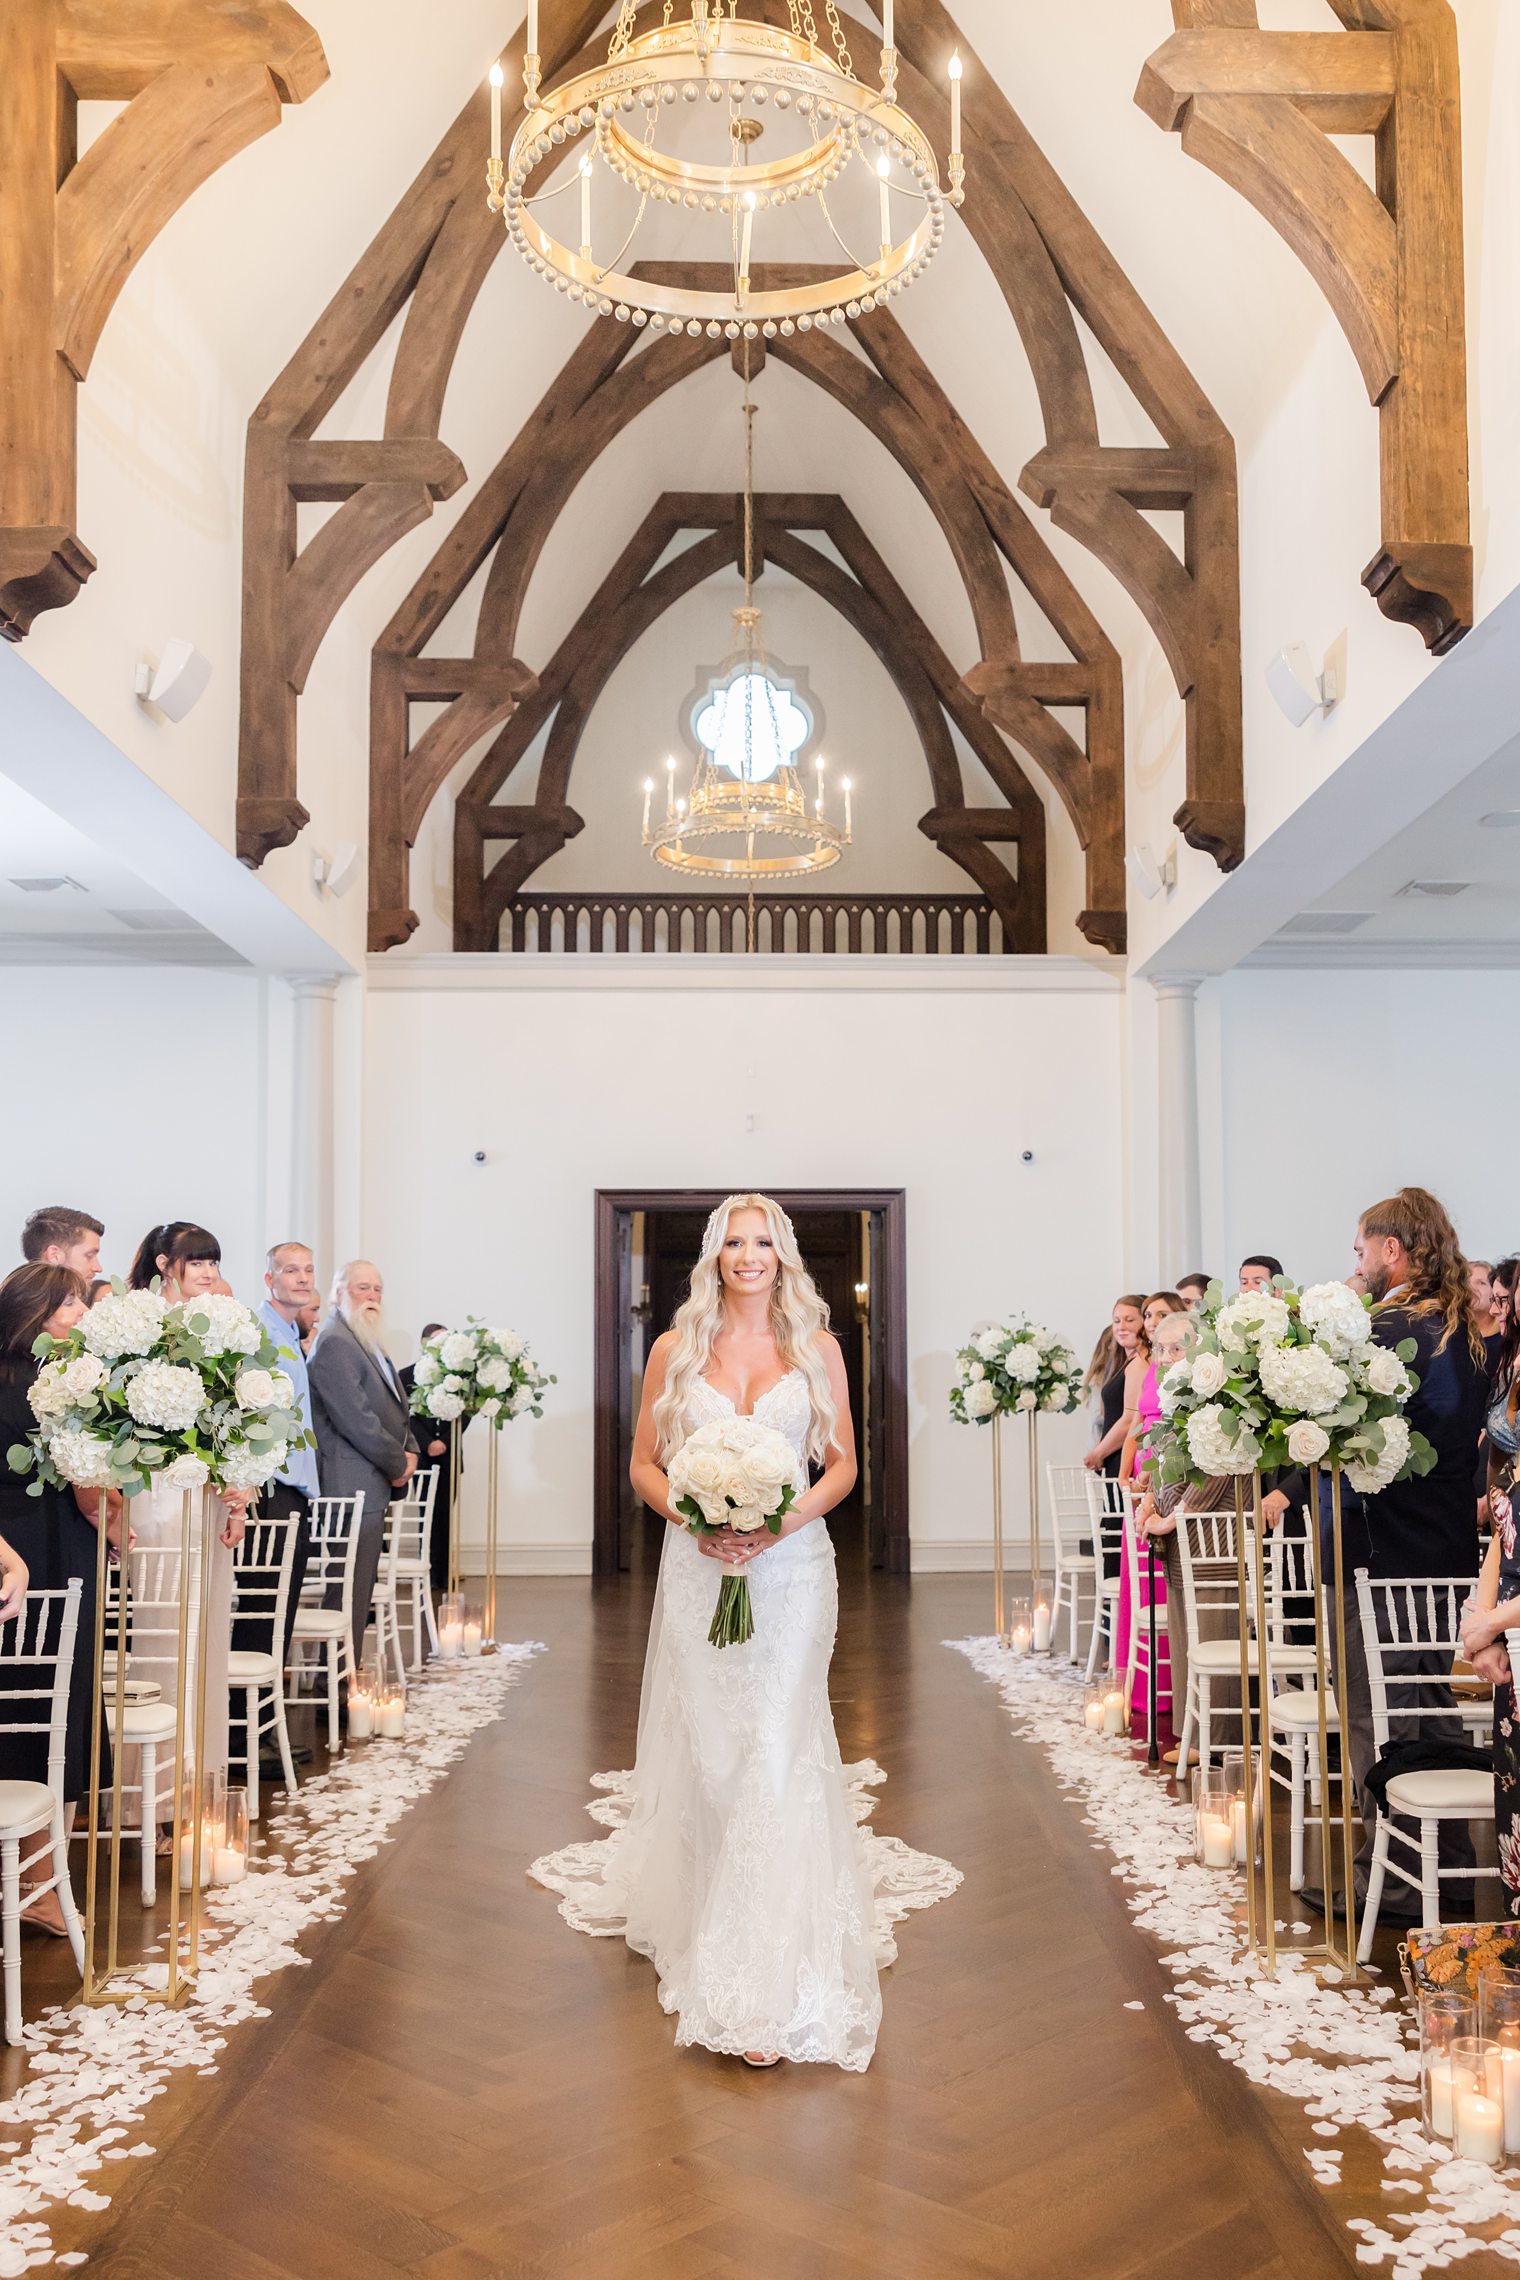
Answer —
(1281, 1377)
(139, 1391)
(1012, 1367)
(478, 1372)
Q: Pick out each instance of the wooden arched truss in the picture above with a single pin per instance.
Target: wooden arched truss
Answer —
(430, 259)
(198, 82)
(609, 380)
(632, 599)
(1258, 109)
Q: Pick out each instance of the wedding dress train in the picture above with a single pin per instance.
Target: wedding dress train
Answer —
(738, 1860)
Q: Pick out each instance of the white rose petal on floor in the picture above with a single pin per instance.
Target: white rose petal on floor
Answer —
(92, 2074)
(1344, 2054)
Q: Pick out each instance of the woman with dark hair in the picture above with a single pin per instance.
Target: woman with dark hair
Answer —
(187, 1260)
(54, 1534)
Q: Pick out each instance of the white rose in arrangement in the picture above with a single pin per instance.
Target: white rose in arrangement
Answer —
(1302, 1377)
(81, 1458)
(765, 1469)
(974, 1371)
(1029, 1399)
(222, 1325)
(1337, 1317)
(1022, 1364)
(458, 1350)
(494, 1375)
(84, 1375)
(1386, 1373)
(1207, 1374)
(166, 1396)
(745, 1519)
(252, 1468)
(491, 1408)
(1307, 1442)
(1211, 1448)
(284, 1389)
(451, 1384)
(185, 1472)
(1257, 1317)
(1175, 1384)
(128, 1322)
(446, 1406)
(255, 1389)
(702, 1472)
(1056, 1401)
(981, 1400)
(48, 1395)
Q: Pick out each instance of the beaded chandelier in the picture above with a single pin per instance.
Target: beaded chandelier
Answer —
(674, 119)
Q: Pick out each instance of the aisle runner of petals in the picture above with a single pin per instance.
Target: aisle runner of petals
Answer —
(94, 2073)
(1343, 2053)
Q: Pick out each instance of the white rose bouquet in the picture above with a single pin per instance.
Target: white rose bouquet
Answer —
(736, 1474)
(1013, 1367)
(141, 1391)
(1282, 1377)
(478, 1372)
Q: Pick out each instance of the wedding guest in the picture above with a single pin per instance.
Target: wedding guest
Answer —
(1416, 1275)
(187, 1262)
(1157, 1518)
(1155, 1311)
(97, 1290)
(1502, 1283)
(57, 1236)
(290, 1281)
(436, 1436)
(359, 1413)
(1120, 1395)
(1160, 1308)
(53, 1534)
(1480, 1281)
(1260, 1271)
(1194, 1289)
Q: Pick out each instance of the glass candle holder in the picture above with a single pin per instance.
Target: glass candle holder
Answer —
(1499, 2027)
(474, 1630)
(1213, 1822)
(200, 1809)
(1115, 1707)
(1477, 2118)
(1445, 2018)
(1094, 1700)
(361, 1707)
(1040, 1618)
(451, 1626)
(391, 1719)
(229, 1860)
(1233, 1766)
(1020, 1626)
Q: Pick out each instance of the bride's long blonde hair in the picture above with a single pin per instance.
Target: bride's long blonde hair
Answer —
(799, 1318)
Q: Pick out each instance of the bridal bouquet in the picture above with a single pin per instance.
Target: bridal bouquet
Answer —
(477, 1372)
(1282, 1377)
(141, 1391)
(1011, 1367)
(736, 1474)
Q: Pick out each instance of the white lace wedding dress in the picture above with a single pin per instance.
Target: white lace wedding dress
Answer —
(737, 1860)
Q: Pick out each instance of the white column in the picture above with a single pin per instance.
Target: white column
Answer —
(313, 1140)
(1179, 1219)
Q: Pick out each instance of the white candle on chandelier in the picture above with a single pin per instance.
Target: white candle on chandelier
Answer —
(744, 242)
(586, 206)
(884, 176)
(670, 789)
(818, 765)
(648, 796)
(956, 68)
(886, 24)
(496, 110)
(847, 826)
(532, 27)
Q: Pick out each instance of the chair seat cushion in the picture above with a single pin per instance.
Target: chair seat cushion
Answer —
(143, 1721)
(24, 1804)
(320, 1623)
(1438, 1789)
(1297, 1711)
(406, 1566)
(1221, 1656)
(246, 1667)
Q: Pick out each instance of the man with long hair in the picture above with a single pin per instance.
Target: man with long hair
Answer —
(1407, 1249)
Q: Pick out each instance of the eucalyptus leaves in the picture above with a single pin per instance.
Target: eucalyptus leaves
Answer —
(1281, 1377)
(141, 1391)
(478, 1372)
(1012, 1367)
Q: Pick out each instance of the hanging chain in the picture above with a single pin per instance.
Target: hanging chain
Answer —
(623, 30)
(749, 487)
(843, 53)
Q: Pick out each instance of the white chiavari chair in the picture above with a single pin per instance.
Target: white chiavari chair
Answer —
(1137, 1560)
(1075, 1560)
(150, 1721)
(385, 1608)
(1208, 1551)
(262, 1566)
(37, 1649)
(1106, 1509)
(414, 1558)
(325, 1618)
(1410, 1630)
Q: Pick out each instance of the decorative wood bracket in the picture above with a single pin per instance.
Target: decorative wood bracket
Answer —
(199, 81)
(1258, 108)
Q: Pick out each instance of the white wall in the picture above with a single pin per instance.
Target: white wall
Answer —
(930, 1082)
(149, 1094)
(1322, 1092)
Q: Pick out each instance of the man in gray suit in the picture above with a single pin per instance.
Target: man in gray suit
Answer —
(359, 1415)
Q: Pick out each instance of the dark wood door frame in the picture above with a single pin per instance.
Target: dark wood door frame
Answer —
(890, 1207)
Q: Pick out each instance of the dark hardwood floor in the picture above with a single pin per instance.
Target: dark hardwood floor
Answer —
(463, 2087)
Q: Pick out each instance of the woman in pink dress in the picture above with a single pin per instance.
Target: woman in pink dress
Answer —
(1147, 1413)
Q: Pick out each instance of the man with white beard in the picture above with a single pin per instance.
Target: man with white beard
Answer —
(359, 1415)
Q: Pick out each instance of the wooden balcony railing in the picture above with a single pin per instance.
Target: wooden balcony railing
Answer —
(882, 926)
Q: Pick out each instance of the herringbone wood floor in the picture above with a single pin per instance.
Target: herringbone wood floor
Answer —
(462, 2087)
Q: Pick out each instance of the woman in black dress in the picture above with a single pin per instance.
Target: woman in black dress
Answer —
(51, 1533)
(1119, 1398)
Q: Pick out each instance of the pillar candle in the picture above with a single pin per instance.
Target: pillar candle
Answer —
(361, 1718)
(473, 1636)
(1042, 1630)
(1093, 1715)
(496, 110)
(532, 27)
(1218, 1841)
(586, 204)
(228, 1865)
(187, 1859)
(883, 171)
(1504, 2086)
(1238, 1824)
(1018, 1640)
(748, 234)
(886, 24)
(1442, 2118)
(1113, 1714)
(450, 1643)
(393, 1720)
(955, 102)
(1479, 2128)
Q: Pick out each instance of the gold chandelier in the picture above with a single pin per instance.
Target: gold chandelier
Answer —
(746, 795)
(706, 75)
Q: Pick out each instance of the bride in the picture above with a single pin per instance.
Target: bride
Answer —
(737, 1863)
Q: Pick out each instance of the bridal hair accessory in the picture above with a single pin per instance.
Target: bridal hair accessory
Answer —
(735, 1474)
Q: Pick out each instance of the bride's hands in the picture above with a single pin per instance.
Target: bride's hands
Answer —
(732, 1548)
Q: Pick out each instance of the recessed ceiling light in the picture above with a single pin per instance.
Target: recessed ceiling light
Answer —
(1326, 922)
(1501, 819)
(1436, 887)
(46, 886)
